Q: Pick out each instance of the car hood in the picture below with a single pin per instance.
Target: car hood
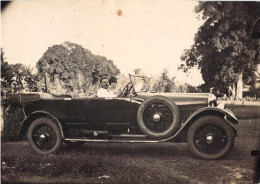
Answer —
(179, 98)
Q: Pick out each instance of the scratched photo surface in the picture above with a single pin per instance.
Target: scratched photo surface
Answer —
(61, 49)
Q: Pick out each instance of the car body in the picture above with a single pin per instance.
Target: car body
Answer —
(136, 116)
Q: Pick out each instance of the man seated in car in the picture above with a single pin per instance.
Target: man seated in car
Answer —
(104, 91)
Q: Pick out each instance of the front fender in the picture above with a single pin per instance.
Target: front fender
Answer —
(28, 120)
(214, 111)
(224, 113)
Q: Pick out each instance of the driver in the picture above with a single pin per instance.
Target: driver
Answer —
(104, 91)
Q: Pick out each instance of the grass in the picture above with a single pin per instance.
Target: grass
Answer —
(245, 111)
(86, 166)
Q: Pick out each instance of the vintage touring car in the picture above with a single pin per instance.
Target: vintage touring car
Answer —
(136, 116)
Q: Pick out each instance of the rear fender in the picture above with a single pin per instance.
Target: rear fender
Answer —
(223, 113)
(28, 120)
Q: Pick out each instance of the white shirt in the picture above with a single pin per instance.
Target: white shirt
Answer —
(114, 90)
(212, 97)
(105, 93)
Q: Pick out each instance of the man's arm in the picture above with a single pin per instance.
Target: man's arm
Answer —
(100, 93)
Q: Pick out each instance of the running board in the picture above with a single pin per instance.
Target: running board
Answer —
(129, 136)
(110, 141)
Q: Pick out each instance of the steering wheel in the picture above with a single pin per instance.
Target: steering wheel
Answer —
(126, 90)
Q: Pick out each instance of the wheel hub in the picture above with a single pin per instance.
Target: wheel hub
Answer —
(209, 139)
(156, 117)
(43, 137)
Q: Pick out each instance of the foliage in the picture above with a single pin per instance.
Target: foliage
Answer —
(12, 118)
(191, 89)
(163, 83)
(74, 68)
(17, 77)
(222, 46)
(254, 92)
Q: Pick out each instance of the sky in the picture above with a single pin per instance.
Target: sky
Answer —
(150, 35)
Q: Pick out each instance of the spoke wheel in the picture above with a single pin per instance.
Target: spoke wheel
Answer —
(44, 136)
(158, 117)
(210, 137)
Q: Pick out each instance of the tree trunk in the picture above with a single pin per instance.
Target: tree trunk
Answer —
(234, 91)
(2, 116)
(45, 83)
(239, 90)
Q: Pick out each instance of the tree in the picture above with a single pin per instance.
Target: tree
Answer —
(191, 89)
(164, 83)
(71, 69)
(17, 77)
(223, 48)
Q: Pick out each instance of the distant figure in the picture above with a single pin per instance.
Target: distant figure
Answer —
(104, 91)
(212, 99)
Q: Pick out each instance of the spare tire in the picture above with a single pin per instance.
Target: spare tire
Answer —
(158, 117)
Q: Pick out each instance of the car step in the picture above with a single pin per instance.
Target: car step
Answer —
(111, 140)
(129, 136)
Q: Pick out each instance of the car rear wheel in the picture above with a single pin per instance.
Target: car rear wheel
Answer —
(74, 144)
(44, 136)
(158, 117)
(210, 137)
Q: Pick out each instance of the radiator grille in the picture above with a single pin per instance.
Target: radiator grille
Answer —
(187, 110)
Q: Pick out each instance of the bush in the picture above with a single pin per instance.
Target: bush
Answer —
(13, 117)
(255, 93)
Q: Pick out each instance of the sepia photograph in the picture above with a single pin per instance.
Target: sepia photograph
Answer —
(130, 91)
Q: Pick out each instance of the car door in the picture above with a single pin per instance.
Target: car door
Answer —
(84, 112)
(116, 112)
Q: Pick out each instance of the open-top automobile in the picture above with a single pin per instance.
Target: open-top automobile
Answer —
(137, 116)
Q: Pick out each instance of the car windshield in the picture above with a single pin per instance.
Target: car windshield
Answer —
(140, 83)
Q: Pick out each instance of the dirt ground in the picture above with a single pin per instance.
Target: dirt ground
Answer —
(171, 158)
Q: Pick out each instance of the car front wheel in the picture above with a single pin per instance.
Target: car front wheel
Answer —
(210, 137)
(44, 136)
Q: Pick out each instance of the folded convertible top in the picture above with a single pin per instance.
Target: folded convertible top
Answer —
(22, 98)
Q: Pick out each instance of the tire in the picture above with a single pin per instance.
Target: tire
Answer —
(44, 136)
(74, 144)
(220, 136)
(158, 117)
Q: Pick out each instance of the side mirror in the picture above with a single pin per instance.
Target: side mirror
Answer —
(255, 31)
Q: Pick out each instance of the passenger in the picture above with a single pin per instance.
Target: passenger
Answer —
(113, 85)
(104, 91)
